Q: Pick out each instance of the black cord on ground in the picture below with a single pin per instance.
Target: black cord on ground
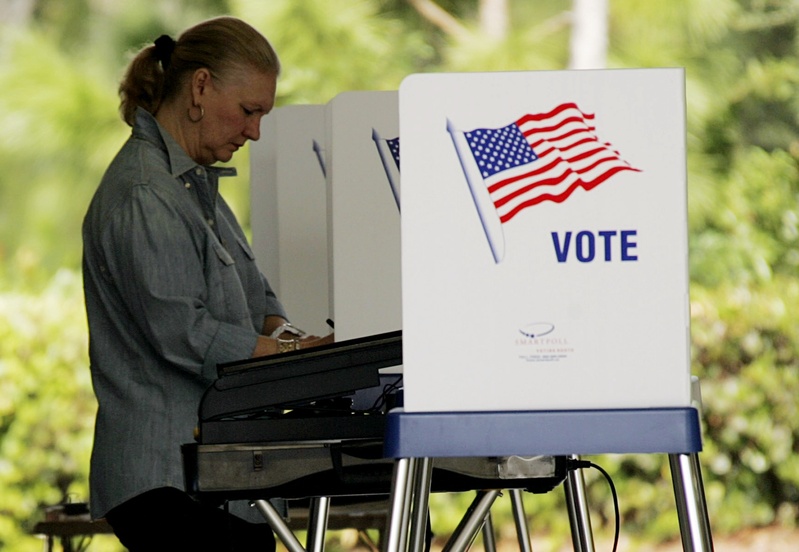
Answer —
(579, 464)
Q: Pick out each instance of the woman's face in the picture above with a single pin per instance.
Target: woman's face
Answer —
(233, 112)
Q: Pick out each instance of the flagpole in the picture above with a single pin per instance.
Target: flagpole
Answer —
(318, 150)
(496, 241)
(389, 174)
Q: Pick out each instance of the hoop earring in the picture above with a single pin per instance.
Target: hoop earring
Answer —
(198, 119)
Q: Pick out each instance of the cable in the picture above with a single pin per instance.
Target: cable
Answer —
(387, 390)
(579, 464)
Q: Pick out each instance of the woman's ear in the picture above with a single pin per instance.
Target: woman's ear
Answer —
(200, 80)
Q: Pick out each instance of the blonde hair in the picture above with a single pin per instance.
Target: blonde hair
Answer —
(224, 45)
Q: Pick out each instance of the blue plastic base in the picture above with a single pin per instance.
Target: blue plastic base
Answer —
(549, 433)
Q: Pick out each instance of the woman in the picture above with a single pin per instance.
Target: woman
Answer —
(171, 285)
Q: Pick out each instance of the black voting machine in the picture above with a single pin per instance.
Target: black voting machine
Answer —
(309, 424)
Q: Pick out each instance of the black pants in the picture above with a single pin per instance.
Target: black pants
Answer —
(168, 519)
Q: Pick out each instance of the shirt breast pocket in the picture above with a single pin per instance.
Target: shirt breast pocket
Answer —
(222, 254)
(245, 248)
(228, 300)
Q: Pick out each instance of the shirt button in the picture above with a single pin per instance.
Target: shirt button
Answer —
(187, 184)
(198, 171)
(210, 222)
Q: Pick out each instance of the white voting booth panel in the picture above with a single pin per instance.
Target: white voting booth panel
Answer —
(544, 241)
(289, 212)
(364, 217)
(326, 227)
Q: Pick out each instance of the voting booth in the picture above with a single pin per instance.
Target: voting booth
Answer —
(325, 213)
(556, 278)
(288, 212)
(533, 254)
(544, 240)
(363, 216)
(545, 278)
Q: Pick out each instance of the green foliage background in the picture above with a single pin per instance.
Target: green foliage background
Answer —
(60, 62)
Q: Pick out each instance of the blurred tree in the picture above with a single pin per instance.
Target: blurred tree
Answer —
(60, 129)
(328, 48)
(589, 36)
(741, 66)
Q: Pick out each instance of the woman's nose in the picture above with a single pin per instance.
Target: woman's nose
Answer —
(253, 129)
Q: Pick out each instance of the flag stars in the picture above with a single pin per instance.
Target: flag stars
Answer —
(496, 150)
(394, 148)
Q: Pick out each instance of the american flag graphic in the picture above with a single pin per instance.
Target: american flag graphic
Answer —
(542, 157)
(389, 148)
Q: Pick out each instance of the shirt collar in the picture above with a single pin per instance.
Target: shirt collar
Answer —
(145, 126)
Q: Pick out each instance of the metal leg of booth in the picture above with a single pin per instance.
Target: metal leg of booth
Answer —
(278, 525)
(408, 512)
(408, 502)
(517, 506)
(318, 514)
(423, 473)
(400, 505)
(689, 494)
(577, 505)
(322, 514)
(472, 522)
(489, 542)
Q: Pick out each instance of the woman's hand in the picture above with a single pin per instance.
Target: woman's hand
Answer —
(266, 346)
(310, 341)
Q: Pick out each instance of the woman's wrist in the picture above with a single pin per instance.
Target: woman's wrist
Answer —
(287, 328)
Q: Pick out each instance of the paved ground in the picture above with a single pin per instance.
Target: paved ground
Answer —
(769, 539)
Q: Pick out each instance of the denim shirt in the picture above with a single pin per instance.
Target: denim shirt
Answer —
(171, 289)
